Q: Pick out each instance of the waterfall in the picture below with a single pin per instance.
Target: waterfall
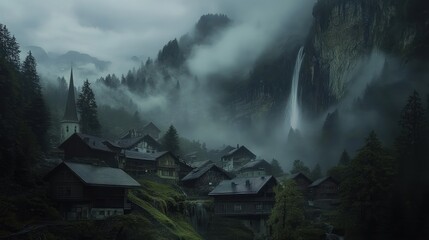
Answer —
(292, 108)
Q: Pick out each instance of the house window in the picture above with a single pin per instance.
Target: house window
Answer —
(75, 129)
(237, 207)
(258, 206)
(67, 128)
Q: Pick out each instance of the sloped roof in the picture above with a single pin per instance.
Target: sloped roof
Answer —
(253, 164)
(198, 172)
(92, 142)
(70, 114)
(238, 186)
(201, 163)
(151, 125)
(139, 155)
(321, 180)
(128, 142)
(295, 175)
(131, 142)
(236, 150)
(99, 175)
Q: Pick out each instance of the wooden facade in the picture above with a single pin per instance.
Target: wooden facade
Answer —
(167, 166)
(324, 188)
(301, 181)
(204, 179)
(89, 147)
(237, 158)
(255, 168)
(79, 198)
(247, 197)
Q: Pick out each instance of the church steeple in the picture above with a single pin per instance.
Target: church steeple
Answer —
(70, 113)
(70, 122)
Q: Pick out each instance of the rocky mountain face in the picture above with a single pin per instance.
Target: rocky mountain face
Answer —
(344, 31)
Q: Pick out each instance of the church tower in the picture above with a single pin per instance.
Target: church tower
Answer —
(70, 122)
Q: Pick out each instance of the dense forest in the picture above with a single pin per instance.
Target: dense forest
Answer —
(365, 122)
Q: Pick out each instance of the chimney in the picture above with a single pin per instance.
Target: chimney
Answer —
(238, 145)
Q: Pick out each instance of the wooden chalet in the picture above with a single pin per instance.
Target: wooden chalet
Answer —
(84, 191)
(301, 181)
(167, 165)
(244, 196)
(144, 143)
(202, 180)
(255, 168)
(323, 188)
(138, 163)
(84, 146)
(164, 164)
(149, 129)
(237, 158)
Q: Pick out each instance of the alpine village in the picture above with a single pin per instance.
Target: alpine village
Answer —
(76, 165)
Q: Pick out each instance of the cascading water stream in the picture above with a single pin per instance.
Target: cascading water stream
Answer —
(292, 109)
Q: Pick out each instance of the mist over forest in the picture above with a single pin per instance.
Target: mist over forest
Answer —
(327, 88)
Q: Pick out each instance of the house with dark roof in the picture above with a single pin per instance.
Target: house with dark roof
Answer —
(167, 165)
(144, 143)
(84, 191)
(237, 158)
(202, 180)
(323, 188)
(302, 181)
(255, 168)
(244, 196)
(138, 163)
(149, 129)
(92, 148)
(249, 199)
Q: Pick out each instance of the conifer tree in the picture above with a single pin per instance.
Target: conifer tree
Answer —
(87, 108)
(35, 109)
(170, 141)
(277, 170)
(316, 173)
(367, 188)
(287, 215)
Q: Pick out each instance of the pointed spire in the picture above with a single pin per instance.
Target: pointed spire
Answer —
(71, 113)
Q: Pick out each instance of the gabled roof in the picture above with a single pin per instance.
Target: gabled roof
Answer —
(254, 164)
(321, 180)
(92, 142)
(92, 175)
(198, 172)
(295, 175)
(151, 125)
(241, 186)
(128, 143)
(237, 150)
(139, 155)
(70, 114)
(200, 163)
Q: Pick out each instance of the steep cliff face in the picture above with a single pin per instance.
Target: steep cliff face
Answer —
(345, 31)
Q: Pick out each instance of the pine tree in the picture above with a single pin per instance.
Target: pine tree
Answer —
(87, 108)
(367, 188)
(299, 166)
(35, 110)
(170, 141)
(316, 173)
(287, 215)
(277, 170)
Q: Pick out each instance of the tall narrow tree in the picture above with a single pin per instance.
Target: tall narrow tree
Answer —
(87, 108)
(170, 141)
(35, 110)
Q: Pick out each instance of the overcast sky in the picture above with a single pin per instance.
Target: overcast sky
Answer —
(110, 28)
